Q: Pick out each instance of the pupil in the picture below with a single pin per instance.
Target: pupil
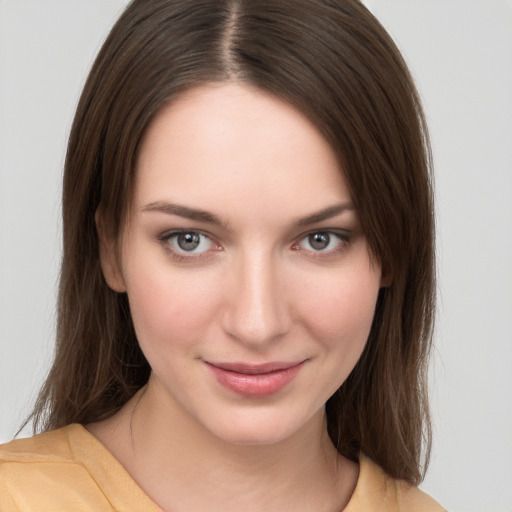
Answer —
(319, 240)
(188, 241)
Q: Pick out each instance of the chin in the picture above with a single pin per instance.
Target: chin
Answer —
(259, 429)
(252, 438)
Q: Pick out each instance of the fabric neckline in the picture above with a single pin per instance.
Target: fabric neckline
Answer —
(109, 474)
(374, 490)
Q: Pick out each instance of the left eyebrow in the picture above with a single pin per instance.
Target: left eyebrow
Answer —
(184, 211)
(325, 213)
(208, 217)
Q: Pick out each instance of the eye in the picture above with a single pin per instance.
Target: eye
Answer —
(322, 241)
(188, 242)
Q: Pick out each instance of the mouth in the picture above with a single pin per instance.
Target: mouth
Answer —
(255, 381)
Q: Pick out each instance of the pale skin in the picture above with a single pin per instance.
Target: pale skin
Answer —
(242, 247)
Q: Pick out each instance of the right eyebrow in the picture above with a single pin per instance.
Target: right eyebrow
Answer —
(325, 213)
(185, 212)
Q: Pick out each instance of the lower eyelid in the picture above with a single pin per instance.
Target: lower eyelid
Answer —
(214, 246)
(343, 240)
(179, 254)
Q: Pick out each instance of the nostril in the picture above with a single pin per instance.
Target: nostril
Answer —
(255, 309)
(256, 318)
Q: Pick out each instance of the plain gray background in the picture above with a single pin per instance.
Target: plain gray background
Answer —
(460, 52)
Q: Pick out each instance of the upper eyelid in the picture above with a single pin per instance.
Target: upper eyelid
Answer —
(174, 232)
(167, 235)
(181, 255)
(342, 233)
(343, 236)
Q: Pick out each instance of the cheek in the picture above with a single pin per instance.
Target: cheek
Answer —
(338, 308)
(170, 309)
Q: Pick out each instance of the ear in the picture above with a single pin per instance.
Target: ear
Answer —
(109, 257)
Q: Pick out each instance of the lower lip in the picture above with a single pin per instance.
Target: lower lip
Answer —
(255, 385)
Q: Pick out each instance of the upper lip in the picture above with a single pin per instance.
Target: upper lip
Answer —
(255, 369)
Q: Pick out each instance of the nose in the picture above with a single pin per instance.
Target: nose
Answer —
(257, 312)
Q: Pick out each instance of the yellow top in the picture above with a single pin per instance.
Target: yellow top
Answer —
(69, 470)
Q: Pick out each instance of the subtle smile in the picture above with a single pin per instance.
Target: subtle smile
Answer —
(255, 381)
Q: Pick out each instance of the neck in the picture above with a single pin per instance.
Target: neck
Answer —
(182, 466)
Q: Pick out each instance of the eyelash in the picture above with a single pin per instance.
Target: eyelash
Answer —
(343, 241)
(179, 254)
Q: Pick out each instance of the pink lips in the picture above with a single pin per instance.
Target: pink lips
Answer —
(255, 380)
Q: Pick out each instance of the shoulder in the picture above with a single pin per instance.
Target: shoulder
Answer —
(43, 473)
(414, 499)
(50, 446)
(66, 470)
(377, 491)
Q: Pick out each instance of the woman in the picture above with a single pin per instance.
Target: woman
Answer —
(247, 286)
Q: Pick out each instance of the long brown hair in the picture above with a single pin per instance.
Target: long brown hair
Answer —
(332, 60)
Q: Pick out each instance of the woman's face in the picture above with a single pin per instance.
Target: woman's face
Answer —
(248, 276)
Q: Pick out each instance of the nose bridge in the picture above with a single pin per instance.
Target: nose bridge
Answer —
(256, 307)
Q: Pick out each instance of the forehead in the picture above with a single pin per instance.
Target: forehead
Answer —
(222, 144)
